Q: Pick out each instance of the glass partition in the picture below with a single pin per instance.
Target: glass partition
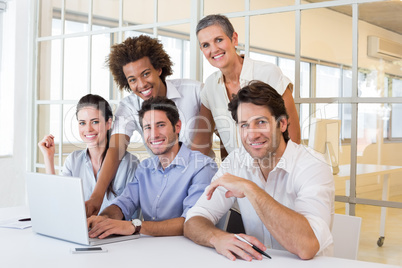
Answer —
(363, 91)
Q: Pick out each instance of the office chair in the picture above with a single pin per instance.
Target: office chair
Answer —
(346, 234)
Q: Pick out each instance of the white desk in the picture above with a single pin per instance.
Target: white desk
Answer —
(24, 248)
(366, 170)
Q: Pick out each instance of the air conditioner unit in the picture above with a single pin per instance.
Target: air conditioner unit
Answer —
(383, 49)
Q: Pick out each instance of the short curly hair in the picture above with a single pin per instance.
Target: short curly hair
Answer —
(133, 49)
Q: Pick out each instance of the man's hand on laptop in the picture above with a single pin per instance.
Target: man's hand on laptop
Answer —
(102, 226)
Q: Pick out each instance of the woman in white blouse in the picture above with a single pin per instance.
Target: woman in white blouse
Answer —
(94, 116)
(218, 40)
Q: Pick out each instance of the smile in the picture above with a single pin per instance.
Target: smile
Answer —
(147, 92)
(156, 142)
(257, 143)
(218, 56)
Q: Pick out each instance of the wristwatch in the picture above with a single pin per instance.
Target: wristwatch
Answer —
(137, 225)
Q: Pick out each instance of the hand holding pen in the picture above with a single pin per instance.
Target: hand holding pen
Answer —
(253, 246)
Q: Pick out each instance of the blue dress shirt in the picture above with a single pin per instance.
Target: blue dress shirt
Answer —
(170, 193)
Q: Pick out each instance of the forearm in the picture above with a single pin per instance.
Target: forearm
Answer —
(112, 212)
(107, 173)
(202, 231)
(171, 227)
(290, 229)
(202, 140)
(49, 165)
(294, 124)
(118, 146)
(294, 129)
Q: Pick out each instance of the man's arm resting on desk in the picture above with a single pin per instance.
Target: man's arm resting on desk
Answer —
(290, 229)
(117, 147)
(202, 231)
(171, 227)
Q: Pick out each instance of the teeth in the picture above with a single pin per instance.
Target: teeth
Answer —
(219, 56)
(146, 92)
(254, 144)
(156, 142)
(90, 136)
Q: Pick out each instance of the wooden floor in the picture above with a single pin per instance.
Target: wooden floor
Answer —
(391, 251)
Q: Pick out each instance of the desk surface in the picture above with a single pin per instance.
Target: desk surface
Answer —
(24, 248)
(367, 170)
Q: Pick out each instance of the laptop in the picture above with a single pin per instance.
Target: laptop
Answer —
(57, 209)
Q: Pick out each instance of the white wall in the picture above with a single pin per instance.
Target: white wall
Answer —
(12, 169)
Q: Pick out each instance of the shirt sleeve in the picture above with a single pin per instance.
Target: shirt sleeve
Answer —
(125, 121)
(125, 173)
(204, 92)
(199, 182)
(278, 80)
(283, 83)
(315, 200)
(129, 200)
(68, 166)
(272, 75)
(132, 164)
(215, 208)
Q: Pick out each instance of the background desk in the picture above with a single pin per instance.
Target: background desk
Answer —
(366, 170)
(24, 248)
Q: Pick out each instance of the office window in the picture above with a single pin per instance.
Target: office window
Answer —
(366, 98)
(71, 62)
(264, 57)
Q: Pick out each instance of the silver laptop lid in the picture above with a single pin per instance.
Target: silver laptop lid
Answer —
(57, 207)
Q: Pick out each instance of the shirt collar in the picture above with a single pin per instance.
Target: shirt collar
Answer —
(246, 74)
(247, 70)
(182, 158)
(171, 91)
(86, 152)
(285, 163)
(220, 78)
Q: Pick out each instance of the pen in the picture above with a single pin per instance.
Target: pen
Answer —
(254, 247)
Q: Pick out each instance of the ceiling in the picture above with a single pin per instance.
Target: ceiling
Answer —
(387, 14)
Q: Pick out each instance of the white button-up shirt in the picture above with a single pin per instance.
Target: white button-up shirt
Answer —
(186, 95)
(301, 181)
(214, 96)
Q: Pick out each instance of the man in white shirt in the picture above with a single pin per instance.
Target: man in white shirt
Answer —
(285, 191)
(140, 66)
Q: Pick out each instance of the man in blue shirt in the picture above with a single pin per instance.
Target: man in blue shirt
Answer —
(165, 186)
